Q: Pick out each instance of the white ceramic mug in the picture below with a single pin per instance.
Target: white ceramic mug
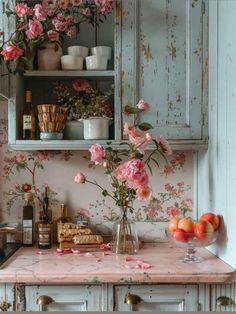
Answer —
(80, 51)
(69, 62)
(102, 51)
(96, 63)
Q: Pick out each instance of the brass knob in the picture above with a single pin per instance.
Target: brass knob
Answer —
(44, 300)
(224, 301)
(132, 299)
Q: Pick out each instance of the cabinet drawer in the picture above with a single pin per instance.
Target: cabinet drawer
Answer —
(63, 298)
(156, 298)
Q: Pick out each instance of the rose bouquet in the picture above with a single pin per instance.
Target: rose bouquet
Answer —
(127, 172)
(48, 20)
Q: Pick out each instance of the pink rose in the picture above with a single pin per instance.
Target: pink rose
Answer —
(76, 3)
(71, 32)
(49, 6)
(97, 153)
(138, 138)
(120, 172)
(87, 12)
(20, 158)
(128, 128)
(81, 85)
(11, 52)
(35, 29)
(22, 10)
(168, 169)
(83, 212)
(80, 178)
(53, 36)
(144, 193)
(63, 4)
(164, 145)
(142, 105)
(39, 12)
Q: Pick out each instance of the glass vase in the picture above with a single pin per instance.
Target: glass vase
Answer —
(125, 238)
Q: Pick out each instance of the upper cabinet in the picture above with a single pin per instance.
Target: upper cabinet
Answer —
(159, 54)
(165, 62)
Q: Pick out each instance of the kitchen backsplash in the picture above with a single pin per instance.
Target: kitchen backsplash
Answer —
(171, 183)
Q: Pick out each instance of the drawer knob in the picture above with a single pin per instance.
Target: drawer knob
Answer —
(224, 301)
(44, 300)
(132, 299)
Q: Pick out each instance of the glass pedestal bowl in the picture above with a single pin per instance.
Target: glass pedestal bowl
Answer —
(190, 242)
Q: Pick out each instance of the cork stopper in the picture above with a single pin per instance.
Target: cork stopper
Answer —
(29, 197)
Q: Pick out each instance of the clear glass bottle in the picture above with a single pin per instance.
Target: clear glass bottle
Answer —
(28, 118)
(62, 219)
(28, 221)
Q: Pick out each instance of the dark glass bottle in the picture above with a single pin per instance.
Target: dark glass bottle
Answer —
(28, 118)
(62, 219)
(45, 225)
(28, 221)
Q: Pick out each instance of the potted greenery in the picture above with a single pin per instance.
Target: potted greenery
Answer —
(89, 109)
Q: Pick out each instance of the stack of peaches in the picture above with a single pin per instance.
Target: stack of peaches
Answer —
(201, 233)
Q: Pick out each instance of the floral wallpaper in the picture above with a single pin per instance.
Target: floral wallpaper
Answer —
(24, 171)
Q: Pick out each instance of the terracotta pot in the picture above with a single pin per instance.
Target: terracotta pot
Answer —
(49, 56)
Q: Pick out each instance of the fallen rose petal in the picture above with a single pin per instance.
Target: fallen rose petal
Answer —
(105, 246)
(39, 253)
(67, 251)
(139, 261)
(129, 266)
(145, 265)
(59, 250)
(75, 251)
(128, 258)
(88, 254)
(138, 266)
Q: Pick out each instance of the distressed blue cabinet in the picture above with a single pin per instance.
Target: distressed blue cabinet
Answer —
(165, 62)
(160, 55)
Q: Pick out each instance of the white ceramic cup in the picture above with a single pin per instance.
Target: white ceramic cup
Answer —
(69, 62)
(79, 51)
(96, 63)
(102, 51)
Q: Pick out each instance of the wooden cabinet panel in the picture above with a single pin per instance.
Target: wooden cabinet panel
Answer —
(164, 61)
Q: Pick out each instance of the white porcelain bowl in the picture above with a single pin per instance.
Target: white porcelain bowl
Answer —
(102, 51)
(69, 62)
(79, 51)
(96, 63)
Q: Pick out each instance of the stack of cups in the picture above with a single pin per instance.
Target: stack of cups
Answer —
(75, 58)
(99, 58)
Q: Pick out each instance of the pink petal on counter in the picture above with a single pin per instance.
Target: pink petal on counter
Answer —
(129, 266)
(39, 253)
(105, 246)
(139, 261)
(128, 258)
(59, 250)
(75, 251)
(144, 265)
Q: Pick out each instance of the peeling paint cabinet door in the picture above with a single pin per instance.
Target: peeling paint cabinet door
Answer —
(156, 298)
(165, 62)
(63, 298)
(6, 297)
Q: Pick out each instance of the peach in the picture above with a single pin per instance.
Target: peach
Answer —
(212, 218)
(186, 224)
(180, 235)
(173, 224)
(203, 229)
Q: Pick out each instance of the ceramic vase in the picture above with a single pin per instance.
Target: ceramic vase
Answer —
(96, 128)
(49, 56)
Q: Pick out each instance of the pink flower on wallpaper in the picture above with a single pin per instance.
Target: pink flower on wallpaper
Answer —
(66, 155)
(144, 193)
(173, 211)
(83, 212)
(152, 212)
(187, 202)
(168, 169)
(41, 155)
(20, 158)
(181, 158)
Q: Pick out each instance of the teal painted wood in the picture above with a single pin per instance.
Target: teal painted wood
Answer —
(163, 51)
(217, 168)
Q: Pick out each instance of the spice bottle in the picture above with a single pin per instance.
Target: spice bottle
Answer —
(62, 219)
(44, 233)
(28, 118)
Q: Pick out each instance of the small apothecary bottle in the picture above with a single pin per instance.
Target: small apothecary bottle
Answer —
(44, 233)
(62, 219)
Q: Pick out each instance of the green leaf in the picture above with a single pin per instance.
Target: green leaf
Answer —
(138, 155)
(132, 110)
(145, 126)
(154, 160)
(150, 169)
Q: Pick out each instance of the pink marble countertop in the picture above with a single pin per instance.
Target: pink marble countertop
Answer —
(26, 266)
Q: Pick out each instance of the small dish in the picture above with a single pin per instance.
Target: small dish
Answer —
(96, 63)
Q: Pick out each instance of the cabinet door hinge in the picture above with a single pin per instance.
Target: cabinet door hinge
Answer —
(203, 7)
